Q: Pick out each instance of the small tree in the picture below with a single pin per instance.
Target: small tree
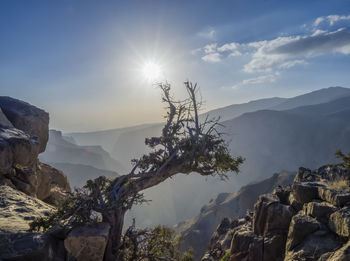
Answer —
(185, 146)
(158, 243)
(346, 158)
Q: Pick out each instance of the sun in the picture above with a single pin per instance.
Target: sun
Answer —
(152, 71)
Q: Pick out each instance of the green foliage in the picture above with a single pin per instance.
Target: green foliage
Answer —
(227, 256)
(346, 158)
(158, 243)
(186, 145)
(189, 141)
(79, 208)
(188, 255)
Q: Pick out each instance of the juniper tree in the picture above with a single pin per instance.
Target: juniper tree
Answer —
(186, 145)
(345, 157)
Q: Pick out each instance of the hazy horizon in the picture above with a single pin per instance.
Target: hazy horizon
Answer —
(161, 120)
(92, 65)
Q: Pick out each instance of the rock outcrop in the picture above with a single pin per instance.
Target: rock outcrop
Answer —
(26, 183)
(197, 232)
(309, 220)
(28, 118)
(23, 135)
(87, 243)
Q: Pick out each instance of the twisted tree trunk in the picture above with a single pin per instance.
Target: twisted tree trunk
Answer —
(115, 219)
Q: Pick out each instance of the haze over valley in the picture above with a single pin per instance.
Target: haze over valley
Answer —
(175, 130)
(274, 135)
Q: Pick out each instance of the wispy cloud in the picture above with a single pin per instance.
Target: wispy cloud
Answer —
(267, 58)
(286, 52)
(210, 48)
(208, 33)
(330, 19)
(282, 52)
(269, 78)
(212, 57)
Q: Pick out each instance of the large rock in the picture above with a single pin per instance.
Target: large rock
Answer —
(342, 254)
(319, 210)
(274, 246)
(246, 246)
(339, 222)
(270, 215)
(19, 209)
(87, 243)
(337, 198)
(27, 246)
(51, 183)
(314, 246)
(27, 118)
(16, 148)
(300, 226)
(304, 192)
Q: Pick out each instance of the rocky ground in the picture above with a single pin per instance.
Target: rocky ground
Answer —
(309, 220)
(18, 209)
(196, 232)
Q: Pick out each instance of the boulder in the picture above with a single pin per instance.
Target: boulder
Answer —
(297, 206)
(274, 246)
(313, 246)
(41, 181)
(342, 254)
(319, 210)
(304, 192)
(52, 184)
(335, 197)
(27, 246)
(246, 245)
(270, 215)
(27, 118)
(87, 243)
(300, 226)
(17, 149)
(339, 222)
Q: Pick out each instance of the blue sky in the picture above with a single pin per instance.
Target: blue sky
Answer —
(81, 60)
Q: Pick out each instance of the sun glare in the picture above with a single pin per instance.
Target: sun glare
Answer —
(152, 71)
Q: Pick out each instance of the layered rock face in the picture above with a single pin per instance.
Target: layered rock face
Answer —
(309, 220)
(23, 135)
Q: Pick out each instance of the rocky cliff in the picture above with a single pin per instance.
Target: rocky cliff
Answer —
(23, 135)
(309, 220)
(28, 188)
(196, 232)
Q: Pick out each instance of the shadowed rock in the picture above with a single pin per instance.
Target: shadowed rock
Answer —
(87, 243)
(27, 118)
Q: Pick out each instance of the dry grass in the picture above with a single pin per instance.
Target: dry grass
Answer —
(340, 184)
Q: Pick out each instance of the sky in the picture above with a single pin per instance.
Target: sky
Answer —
(84, 61)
